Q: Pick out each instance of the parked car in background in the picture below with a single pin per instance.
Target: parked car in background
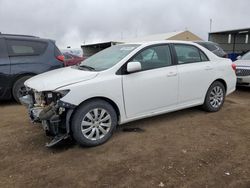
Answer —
(243, 70)
(23, 56)
(74, 51)
(213, 47)
(71, 59)
(124, 83)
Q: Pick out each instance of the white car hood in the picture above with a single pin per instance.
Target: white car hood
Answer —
(243, 63)
(55, 79)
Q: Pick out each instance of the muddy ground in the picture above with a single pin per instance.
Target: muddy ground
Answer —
(189, 148)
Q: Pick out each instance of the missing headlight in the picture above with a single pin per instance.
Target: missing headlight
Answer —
(49, 95)
(54, 96)
(63, 92)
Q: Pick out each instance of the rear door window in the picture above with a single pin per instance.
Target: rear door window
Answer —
(189, 54)
(203, 56)
(25, 48)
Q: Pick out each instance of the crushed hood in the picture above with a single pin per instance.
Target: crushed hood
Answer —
(55, 79)
(242, 63)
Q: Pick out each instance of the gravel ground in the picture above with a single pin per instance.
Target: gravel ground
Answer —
(189, 148)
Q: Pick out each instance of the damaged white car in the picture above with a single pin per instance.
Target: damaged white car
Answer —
(124, 83)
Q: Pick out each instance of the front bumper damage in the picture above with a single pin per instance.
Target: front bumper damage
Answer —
(54, 117)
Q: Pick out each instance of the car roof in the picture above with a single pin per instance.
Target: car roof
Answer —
(24, 37)
(147, 43)
(161, 42)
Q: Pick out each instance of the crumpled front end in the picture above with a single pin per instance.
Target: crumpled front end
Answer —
(47, 108)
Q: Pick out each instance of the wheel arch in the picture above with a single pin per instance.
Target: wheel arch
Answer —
(72, 113)
(222, 81)
(205, 104)
(108, 100)
(217, 80)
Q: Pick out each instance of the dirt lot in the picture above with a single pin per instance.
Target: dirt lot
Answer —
(189, 148)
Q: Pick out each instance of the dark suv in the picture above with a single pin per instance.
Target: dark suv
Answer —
(22, 57)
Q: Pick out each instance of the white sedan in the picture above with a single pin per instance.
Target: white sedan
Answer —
(124, 83)
(243, 70)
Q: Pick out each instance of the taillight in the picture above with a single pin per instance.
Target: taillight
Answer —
(234, 66)
(60, 58)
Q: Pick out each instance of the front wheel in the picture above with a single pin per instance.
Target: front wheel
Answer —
(215, 97)
(94, 123)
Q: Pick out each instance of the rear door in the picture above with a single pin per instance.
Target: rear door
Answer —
(27, 56)
(195, 73)
(4, 68)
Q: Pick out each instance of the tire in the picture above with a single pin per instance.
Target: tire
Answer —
(19, 87)
(93, 118)
(215, 97)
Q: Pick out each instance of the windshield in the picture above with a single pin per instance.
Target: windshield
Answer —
(246, 56)
(109, 57)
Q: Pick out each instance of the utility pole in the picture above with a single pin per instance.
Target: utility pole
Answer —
(211, 22)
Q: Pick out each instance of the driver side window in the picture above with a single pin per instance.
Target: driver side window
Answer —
(154, 57)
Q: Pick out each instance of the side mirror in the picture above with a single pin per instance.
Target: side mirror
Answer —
(238, 57)
(133, 67)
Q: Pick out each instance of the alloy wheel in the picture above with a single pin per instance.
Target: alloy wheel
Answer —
(96, 124)
(216, 97)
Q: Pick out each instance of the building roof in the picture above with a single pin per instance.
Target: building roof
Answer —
(101, 43)
(245, 30)
(177, 35)
(155, 37)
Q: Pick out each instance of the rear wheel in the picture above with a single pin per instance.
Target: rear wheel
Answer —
(19, 88)
(215, 97)
(94, 123)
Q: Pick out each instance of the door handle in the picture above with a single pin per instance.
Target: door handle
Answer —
(170, 74)
(208, 68)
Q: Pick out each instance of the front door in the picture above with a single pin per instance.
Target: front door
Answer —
(155, 87)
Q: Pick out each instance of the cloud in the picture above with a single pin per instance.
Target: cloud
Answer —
(77, 21)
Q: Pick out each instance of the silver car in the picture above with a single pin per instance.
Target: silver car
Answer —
(243, 70)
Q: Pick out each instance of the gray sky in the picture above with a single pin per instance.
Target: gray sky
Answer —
(73, 22)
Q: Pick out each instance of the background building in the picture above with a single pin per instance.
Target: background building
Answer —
(234, 42)
(178, 35)
(90, 49)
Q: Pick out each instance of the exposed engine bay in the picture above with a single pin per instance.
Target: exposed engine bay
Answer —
(47, 108)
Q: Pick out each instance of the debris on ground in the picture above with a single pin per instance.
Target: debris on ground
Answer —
(184, 151)
(161, 184)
